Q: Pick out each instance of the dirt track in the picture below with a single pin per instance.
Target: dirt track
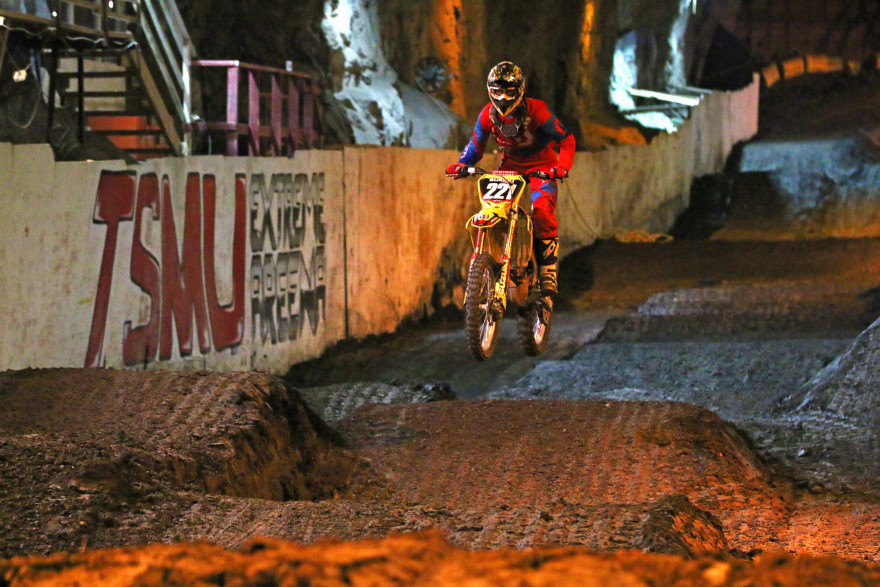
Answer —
(137, 457)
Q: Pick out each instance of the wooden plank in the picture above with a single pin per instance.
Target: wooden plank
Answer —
(232, 137)
(165, 56)
(254, 114)
(276, 115)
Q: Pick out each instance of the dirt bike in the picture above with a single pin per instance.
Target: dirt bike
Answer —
(503, 268)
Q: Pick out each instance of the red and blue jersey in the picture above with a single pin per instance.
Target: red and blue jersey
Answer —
(532, 148)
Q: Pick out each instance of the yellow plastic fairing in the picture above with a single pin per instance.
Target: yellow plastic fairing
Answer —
(490, 215)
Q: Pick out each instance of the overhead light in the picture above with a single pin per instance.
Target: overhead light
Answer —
(20, 75)
(2, 21)
(110, 5)
(54, 14)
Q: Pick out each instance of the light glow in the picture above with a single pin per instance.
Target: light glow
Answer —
(447, 42)
(587, 32)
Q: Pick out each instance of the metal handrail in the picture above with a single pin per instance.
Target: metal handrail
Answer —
(279, 113)
(167, 49)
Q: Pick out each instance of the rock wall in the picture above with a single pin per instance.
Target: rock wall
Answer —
(566, 48)
(841, 28)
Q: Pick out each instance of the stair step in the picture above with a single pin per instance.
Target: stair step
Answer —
(110, 113)
(143, 132)
(103, 94)
(159, 150)
(94, 74)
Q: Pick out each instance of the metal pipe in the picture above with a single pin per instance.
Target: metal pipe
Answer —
(81, 97)
(53, 73)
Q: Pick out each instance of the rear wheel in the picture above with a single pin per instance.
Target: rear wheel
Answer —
(480, 326)
(533, 332)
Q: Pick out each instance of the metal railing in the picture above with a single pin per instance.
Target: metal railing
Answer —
(269, 111)
(166, 51)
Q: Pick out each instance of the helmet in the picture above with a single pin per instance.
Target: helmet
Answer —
(505, 84)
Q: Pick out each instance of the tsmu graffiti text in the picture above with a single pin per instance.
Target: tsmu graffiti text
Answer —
(287, 237)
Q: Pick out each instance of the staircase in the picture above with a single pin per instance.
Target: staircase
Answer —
(122, 65)
(113, 103)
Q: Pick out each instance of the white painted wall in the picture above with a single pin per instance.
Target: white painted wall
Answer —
(375, 223)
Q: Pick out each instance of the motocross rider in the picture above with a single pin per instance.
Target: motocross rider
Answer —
(527, 133)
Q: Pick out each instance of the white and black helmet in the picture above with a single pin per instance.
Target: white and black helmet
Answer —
(506, 85)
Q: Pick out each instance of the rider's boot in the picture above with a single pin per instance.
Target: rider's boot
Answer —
(545, 252)
(548, 262)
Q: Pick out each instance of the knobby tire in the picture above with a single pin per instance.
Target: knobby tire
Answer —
(480, 328)
(532, 333)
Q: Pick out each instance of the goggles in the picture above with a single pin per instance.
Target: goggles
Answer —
(503, 93)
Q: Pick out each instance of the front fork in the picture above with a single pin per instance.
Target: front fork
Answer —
(499, 299)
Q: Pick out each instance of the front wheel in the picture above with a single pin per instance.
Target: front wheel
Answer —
(480, 326)
(533, 328)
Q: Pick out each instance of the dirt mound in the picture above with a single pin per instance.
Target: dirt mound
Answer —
(418, 560)
(334, 402)
(676, 526)
(848, 386)
(84, 452)
(243, 434)
(520, 472)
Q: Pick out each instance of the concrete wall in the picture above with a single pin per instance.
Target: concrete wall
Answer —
(647, 187)
(254, 264)
(202, 263)
(402, 212)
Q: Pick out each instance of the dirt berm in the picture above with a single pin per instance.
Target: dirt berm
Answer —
(99, 459)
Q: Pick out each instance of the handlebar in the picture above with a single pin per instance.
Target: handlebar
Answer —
(477, 171)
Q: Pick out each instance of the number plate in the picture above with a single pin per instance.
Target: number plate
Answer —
(498, 189)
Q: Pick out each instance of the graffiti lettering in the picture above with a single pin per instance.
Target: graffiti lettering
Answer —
(139, 344)
(115, 203)
(288, 235)
(180, 287)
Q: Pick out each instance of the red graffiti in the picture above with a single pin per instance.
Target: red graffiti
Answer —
(115, 203)
(227, 322)
(181, 285)
(181, 298)
(139, 344)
